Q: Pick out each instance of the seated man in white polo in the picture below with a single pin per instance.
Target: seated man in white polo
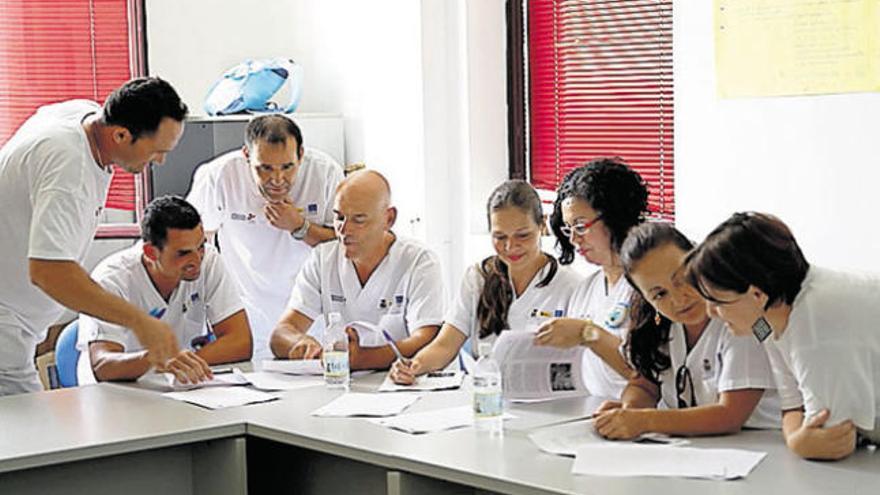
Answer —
(368, 274)
(174, 276)
(268, 203)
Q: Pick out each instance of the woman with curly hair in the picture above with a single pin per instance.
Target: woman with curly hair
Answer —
(517, 288)
(596, 205)
(709, 380)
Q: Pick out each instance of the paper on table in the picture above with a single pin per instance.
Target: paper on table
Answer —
(294, 366)
(662, 460)
(221, 397)
(435, 380)
(537, 372)
(565, 439)
(431, 421)
(368, 405)
(264, 380)
(167, 381)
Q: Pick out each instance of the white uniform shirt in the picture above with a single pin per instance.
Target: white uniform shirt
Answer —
(52, 193)
(527, 312)
(829, 354)
(608, 308)
(721, 362)
(404, 292)
(264, 260)
(211, 298)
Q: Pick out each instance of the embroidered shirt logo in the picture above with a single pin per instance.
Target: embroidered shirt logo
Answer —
(312, 208)
(617, 316)
(337, 298)
(243, 217)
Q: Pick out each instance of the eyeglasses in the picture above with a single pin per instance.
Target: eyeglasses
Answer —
(580, 228)
(683, 382)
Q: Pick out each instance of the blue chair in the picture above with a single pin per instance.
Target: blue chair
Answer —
(67, 355)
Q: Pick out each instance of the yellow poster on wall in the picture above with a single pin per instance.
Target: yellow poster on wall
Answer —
(796, 47)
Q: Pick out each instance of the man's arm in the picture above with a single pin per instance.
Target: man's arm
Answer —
(110, 362)
(234, 342)
(318, 234)
(290, 334)
(370, 358)
(67, 283)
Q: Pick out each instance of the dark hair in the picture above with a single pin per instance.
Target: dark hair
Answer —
(497, 294)
(273, 129)
(140, 105)
(617, 193)
(749, 249)
(167, 212)
(646, 337)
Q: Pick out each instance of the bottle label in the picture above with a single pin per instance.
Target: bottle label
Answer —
(335, 364)
(487, 404)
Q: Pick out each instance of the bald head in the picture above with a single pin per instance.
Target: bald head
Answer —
(364, 216)
(368, 185)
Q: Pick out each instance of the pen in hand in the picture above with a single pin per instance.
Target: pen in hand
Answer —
(394, 346)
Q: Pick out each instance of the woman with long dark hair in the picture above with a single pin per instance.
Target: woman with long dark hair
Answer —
(517, 288)
(708, 380)
(825, 345)
(596, 205)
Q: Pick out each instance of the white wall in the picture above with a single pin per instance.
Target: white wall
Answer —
(811, 160)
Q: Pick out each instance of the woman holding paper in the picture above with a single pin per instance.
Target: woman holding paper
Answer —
(825, 345)
(596, 205)
(518, 288)
(708, 380)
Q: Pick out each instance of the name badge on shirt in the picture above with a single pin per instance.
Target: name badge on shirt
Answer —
(243, 217)
(337, 298)
(618, 314)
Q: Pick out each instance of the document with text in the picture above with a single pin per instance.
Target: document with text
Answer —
(531, 372)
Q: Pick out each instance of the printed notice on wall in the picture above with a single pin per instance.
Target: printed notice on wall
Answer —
(796, 47)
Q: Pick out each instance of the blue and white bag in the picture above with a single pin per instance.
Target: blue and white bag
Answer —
(248, 86)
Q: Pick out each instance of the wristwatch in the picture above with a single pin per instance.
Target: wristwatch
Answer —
(589, 334)
(300, 233)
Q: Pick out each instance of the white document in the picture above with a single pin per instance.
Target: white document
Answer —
(431, 421)
(264, 380)
(531, 372)
(612, 459)
(366, 405)
(294, 366)
(221, 397)
(435, 380)
(168, 382)
(567, 438)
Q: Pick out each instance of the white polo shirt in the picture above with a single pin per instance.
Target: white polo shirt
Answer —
(263, 259)
(211, 298)
(608, 307)
(404, 292)
(527, 312)
(721, 362)
(829, 354)
(52, 193)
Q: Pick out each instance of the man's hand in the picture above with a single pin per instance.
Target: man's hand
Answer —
(305, 348)
(283, 215)
(815, 441)
(354, 348)
(405, 372)
(158, 339)
(188, 367)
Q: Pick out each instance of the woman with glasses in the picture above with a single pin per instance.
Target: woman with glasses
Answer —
(708, 380)
(518, 288)
(596, 205)
(825, 325)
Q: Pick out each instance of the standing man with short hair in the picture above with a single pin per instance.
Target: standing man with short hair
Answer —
(54, 176)
(269, 204)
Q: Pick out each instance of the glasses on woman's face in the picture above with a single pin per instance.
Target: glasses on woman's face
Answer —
(684, 382)
(580, 228)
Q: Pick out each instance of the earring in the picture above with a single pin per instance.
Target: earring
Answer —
(761, 329)
(657, 319)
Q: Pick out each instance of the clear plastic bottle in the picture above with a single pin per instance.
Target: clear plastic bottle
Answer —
(488, 405)
(335, 355)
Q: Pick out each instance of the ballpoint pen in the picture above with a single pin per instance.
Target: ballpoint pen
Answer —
(393, 346)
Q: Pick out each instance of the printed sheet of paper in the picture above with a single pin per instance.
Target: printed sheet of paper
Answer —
(432, 421)
(531, 372)
(611, 459)
(168, 382)
(366, 405)
(221, 397)
(567, 438)
(294, 366)
(264, 380)
(435, 380)
(796, 47)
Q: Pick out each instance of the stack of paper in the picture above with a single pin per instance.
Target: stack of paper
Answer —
(167, 381)
(264, 380)
(294, 366)
(367, 405)
(221, 397)
(659, 460)
(436, 380)
(431, 421)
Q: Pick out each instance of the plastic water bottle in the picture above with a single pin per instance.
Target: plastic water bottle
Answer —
(488, 406)
(336, 371)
